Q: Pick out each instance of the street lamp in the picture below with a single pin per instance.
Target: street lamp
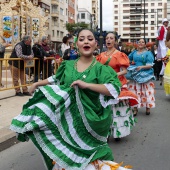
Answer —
(101, 27)
(144, 19)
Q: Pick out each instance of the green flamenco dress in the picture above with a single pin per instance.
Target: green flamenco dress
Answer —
(70, 125)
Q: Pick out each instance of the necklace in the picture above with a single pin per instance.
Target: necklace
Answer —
(82, 75)
(108, 54)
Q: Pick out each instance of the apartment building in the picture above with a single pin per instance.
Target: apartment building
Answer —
(71, 11)
(91, 8)
(84, 16)
(129, 18)
(168, 10)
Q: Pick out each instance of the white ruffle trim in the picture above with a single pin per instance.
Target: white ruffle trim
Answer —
(113, 92)
(150, 64)
(127, 98)
(52, 80)
(87, 125)
(105, 165)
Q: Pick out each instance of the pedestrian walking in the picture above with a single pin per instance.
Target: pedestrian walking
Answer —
(72, 119)
(140, 73)
(21, 50)
(122, 113)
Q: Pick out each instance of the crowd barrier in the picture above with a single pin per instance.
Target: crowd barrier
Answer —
(6, 80)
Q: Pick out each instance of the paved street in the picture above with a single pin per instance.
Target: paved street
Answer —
(147, 148)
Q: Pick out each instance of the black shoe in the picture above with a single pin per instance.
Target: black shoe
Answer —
(19, 94)
(148, 113)
(135, 112)
(117, 139)
(26, 94)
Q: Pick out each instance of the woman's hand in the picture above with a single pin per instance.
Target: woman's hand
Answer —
(32, 88)
(139, 68)
(80, 84)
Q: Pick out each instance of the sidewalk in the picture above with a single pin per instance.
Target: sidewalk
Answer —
(10, 106)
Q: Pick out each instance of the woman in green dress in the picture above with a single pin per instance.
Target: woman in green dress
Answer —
(68, 117)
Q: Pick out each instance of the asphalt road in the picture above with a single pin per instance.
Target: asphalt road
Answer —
(146, 148)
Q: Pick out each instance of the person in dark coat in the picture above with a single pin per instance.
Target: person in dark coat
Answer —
(47, 70)
(39, 53)
(24, 51)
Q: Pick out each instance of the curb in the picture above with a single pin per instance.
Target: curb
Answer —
(6, 134)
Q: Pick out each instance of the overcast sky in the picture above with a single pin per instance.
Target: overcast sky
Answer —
(107, 15)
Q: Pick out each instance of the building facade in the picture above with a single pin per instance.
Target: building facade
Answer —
(91, 7)
(129, 18)
(84, 16)
(61, 12)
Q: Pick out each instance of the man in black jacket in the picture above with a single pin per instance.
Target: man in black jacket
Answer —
(39, 53)
(21, 50)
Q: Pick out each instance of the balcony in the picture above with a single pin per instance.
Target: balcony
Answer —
(54, 2)
(55, 13)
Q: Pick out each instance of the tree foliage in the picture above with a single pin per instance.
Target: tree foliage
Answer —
(73, 27)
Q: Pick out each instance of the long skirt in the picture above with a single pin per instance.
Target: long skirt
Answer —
(167, 79)
(123, 119)
(145, 93)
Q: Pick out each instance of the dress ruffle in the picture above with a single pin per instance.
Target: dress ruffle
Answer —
(141, 76)
(167, 79)
(145, 93)
(100, 165)
(123, 119)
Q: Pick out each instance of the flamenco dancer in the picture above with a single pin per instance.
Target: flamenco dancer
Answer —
(123, 119)
(69, 117)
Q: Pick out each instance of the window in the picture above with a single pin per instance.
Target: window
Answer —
(116, 17)
(58, 33)
(61, 34)
(125, 5)
(53, 33)
(152, 22)
(61, 11)
(55, 22)
(61, 23)
(66, 11)
(82, 15)
(54, 8)
(152, 10)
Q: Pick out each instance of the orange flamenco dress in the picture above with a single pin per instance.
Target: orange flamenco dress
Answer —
(123, 119)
